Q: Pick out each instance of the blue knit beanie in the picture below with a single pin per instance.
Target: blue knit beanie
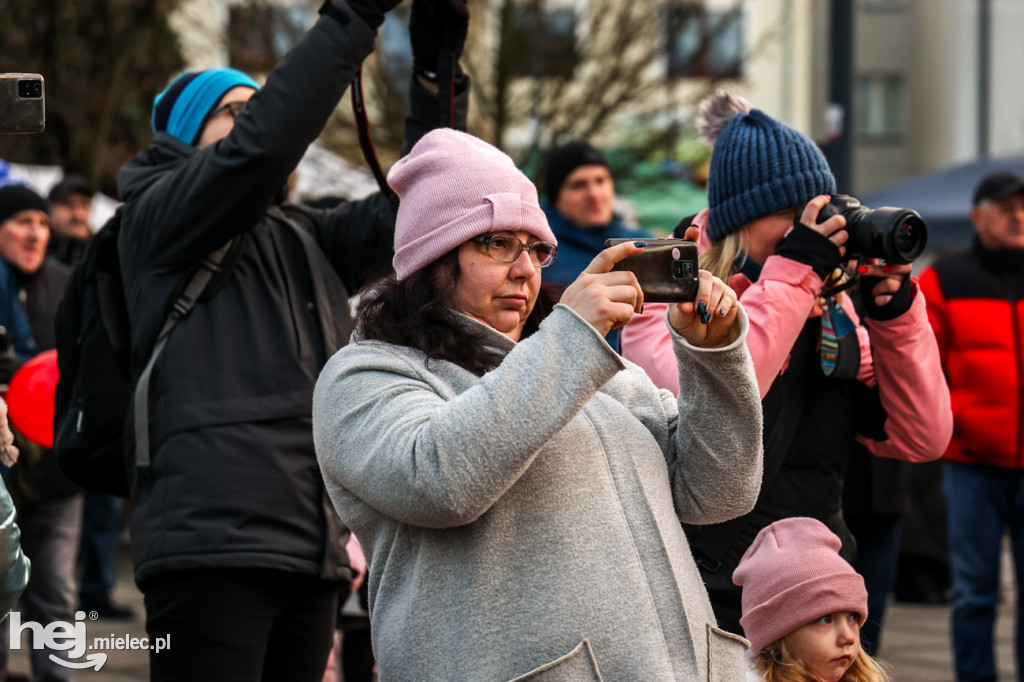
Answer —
(183, 106)
(758, 165)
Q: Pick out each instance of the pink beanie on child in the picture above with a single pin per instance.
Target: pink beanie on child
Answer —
(453, 187)
(791, 575)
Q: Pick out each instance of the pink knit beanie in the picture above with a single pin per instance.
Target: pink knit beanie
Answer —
(453, 187)
(791, 575)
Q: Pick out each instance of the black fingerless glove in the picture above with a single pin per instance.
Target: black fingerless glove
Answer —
(436, 26)
(897, 305)
(810, 247)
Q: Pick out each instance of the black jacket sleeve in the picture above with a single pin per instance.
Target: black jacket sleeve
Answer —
(223, 190)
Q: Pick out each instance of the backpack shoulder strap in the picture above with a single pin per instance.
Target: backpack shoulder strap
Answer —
(304, 226)
(184, 304)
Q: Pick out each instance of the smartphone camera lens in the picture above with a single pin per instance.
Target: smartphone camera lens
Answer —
(30, 89)
(682, 269)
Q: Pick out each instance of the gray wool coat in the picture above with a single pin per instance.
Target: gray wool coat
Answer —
(527, 523)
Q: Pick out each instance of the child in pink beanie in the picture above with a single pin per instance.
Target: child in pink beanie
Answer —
(803, 606)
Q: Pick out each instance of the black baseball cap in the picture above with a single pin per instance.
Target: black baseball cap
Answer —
(70, 184)
(997, 186)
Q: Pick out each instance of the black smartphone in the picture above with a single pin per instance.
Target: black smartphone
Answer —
(22, 103)
(666, 269)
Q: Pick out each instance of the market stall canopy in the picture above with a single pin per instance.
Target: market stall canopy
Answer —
(943, 198)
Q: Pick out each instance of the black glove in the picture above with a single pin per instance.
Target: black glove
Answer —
(436, 26)
(810, 247)
(370, 11)
(897, 305)
(9, 361)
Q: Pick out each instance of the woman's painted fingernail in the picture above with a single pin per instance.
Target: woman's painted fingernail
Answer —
(722, 311)
(886, 268)
(702, 308)
(640, 244)
(862, 269)
(641, 308)
(706, 317)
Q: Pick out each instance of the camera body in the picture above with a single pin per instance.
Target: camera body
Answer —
(897, 235)
(22, 103)
(666, 269)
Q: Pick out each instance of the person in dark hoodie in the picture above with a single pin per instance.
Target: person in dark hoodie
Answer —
(235, 544)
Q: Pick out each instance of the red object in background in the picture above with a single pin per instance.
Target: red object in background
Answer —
(30, 398)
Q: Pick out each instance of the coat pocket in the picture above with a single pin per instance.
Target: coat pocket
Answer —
(726, 659)
(576, 666)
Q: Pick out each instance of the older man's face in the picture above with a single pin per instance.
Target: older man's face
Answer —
(23, 240)
(1000, 224)
(70, 216)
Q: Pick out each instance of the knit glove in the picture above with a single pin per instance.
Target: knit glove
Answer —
(810, 247)
(897, 305)
(435, 26)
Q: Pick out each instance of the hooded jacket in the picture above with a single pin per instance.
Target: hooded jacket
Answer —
(235, 478)
(527, 522)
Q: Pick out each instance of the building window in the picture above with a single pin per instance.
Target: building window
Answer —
(704, 43)
(260, 34)
(540, 41)
(879, 105)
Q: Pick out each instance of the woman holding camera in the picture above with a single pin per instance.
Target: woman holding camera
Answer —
(518, 488)
(829, 380)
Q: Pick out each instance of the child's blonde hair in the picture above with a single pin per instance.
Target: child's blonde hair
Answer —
(778, 664)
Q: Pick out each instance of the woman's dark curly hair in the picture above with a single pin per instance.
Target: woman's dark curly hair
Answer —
(414, 312)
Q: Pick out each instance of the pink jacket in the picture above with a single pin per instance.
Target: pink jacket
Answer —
(900, 355)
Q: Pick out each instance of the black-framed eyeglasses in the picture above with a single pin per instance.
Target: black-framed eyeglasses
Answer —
(234, 108)
(506, 248)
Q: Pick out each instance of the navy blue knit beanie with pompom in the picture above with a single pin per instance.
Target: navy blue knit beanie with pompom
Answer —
(758, 165)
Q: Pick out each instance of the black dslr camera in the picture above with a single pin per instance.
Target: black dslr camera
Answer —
(898, 235)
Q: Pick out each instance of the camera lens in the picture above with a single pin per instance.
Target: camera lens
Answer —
(909, 238)
(30, 89)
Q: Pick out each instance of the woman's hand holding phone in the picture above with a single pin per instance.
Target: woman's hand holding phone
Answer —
(707, 322)
(606, 299)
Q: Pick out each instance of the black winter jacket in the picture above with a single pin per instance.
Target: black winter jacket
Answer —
(37, 475)
(235, 477)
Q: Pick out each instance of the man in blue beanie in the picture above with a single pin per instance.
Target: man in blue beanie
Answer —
(236, 546)
(580, 206)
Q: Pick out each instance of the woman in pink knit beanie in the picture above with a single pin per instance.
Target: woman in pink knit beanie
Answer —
(517, 486)
(803, 606)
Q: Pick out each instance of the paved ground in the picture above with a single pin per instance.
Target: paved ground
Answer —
(915, 640)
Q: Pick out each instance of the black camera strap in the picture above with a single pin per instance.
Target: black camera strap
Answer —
(365, 141)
